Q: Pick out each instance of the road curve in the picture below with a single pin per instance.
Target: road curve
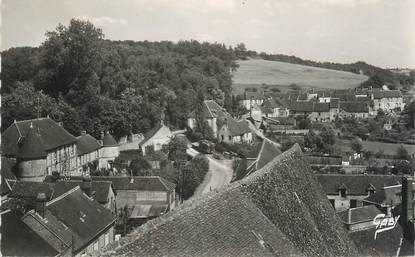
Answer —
(219, 174)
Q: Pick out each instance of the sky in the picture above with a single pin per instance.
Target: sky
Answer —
(379, 32)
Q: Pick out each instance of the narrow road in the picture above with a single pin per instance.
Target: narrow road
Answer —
(219, 174)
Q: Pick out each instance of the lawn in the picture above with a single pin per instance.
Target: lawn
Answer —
(256, 72)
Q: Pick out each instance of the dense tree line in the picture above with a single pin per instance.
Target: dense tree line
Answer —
(89, 83)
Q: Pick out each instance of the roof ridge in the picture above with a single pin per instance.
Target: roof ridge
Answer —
(62, 196)
(37, 217)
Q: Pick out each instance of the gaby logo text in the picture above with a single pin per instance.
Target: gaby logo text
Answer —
(384, 223)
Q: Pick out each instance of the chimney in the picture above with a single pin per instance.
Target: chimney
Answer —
(86, 185)
(407, 212)
(41, 204)
(55, 176)
(83, 133)
(102, 135)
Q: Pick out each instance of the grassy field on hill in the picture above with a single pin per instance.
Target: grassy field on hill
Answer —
(256, 72)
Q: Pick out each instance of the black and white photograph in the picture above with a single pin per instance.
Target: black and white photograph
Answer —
(211, 128)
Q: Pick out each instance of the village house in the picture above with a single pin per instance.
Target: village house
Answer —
(235, 132)
(359, 110)
(88, 149)
(211, 112)
(261, 154)
(40, 147)
(71, 224)
(324, 112)
(8, 178)
(274, 107)
(387, 100)
(145, 196)
(251, 99)
(156, 138)
(108, 152)
(359, 218)
(350, 191)
(53, 187)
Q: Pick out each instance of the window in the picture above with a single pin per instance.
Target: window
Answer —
(353, 203)
(332, 202)
(343, 192)
(106, 239)
(95, 247)
(230, 138)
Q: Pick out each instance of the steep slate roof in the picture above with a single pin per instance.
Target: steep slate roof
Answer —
(86, 144)
(355, 184)
(32, 146)
(262, 153)
(18, 239)
(54, 232)
(298, 106)
(359, 214)
(109, 140)
(85, 217)
(51, 133)
(280, 210)
(354, 107)
(211, 109)
(321, 107)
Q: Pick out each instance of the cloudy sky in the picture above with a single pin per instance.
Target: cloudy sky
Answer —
(381, 32)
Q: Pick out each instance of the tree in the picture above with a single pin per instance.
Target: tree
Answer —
(177, 149)
(402, 153)
(410, 112)
(70, 59)
(140, 167)
(356, 145)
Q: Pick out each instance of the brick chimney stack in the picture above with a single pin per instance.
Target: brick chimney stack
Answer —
(41, 204)
(86, 185)
(407, 212)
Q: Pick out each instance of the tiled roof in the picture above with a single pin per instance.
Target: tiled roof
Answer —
(388, 196)
(30, 190)
(211, 109)
(148, 183)
(321, 107)
(7, 175)
(355, 184)
(385, 244)
(100, 189)
(86, 144)
(299, 106)
(237, 128)
(263, 153)
(151, 133)
(378, 94)
(85, 217)
(354, 107)
(51, 133)
(359, 214)
(109, 140)
(18, 239)
(280, 210)
(258, 95)
(32, 146)
(148, 211)
(51, 230)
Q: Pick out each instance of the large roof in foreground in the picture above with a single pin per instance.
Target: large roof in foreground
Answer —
(280, 210)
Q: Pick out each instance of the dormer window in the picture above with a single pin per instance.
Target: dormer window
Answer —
(371, 189)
